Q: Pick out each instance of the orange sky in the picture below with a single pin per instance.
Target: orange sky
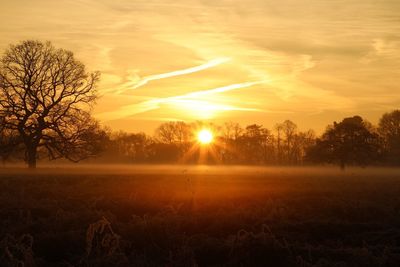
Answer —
(253, 61)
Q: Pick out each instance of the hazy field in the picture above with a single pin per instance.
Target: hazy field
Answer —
(199, 216)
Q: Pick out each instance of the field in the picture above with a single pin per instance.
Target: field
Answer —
(199, 216)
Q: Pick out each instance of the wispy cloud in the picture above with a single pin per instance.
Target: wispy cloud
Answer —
(191, 101)
(306, 55)
(216, 90)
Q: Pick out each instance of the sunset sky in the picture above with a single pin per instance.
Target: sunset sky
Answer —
(250, 61)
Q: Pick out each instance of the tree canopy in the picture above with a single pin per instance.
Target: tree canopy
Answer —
(389, 129)
(351, 141)
(45, 99)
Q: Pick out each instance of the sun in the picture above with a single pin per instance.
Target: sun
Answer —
(205, 136)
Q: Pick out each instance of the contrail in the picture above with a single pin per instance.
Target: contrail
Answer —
(209, 64)
(155, 103)
(147, 79)
(217, 90)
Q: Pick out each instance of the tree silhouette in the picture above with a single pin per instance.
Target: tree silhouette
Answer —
(289, 131)
(256, 144)
(174, 132)
(133, 147)
(45, 97)
(350, 141)
(389, 129)
(302, 141)
(231, 133)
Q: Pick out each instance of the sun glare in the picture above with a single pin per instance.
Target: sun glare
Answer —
(205, 136)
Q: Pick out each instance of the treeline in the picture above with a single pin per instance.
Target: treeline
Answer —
(176, 142)
(352, 141)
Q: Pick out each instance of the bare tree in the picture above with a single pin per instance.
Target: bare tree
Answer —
(389, 130)
(232, 130)
(174, 132)
(132, 147)
(279, 152)
(285, 147)
(258, 144)
(46, 96)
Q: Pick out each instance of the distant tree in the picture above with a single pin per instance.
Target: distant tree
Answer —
(256, 145)
(290, 130)
(351, 141)
(231, 130)
(301, 144)
(174, 132)
(286, 138)
(389, 129)
(173, 139)
(45, 97)
(164, 153)
(130, 146)
(279, 145)
(231, 133)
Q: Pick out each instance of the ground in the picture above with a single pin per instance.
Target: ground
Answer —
(199, 216)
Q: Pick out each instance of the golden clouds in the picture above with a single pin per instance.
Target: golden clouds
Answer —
(257, 60)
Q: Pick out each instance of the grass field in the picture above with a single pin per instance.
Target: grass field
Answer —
(199, 216)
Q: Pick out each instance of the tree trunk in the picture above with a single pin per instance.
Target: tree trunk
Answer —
(31, 157)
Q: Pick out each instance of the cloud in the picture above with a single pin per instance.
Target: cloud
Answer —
(191, 101)
(147, 79)
(315, 57)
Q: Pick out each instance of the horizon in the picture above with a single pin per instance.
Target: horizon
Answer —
(262, 61)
